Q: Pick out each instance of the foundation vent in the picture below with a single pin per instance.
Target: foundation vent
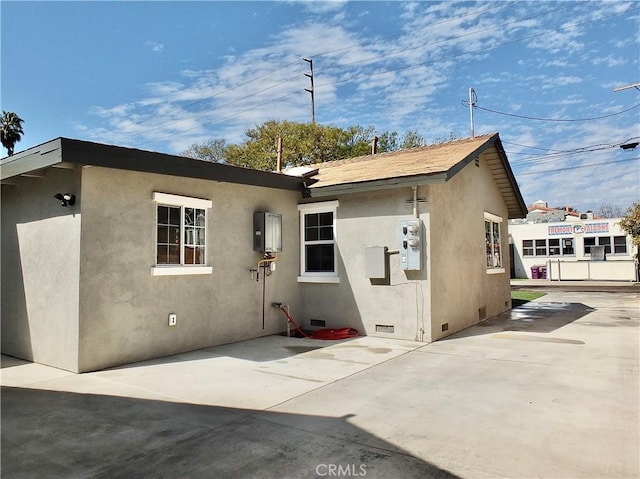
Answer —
(321, 323)
(384, 328)
(482, 313)
(445, 327)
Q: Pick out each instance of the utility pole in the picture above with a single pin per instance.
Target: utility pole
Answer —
(472, 101)
(311, 90)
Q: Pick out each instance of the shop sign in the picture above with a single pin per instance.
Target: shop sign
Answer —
(578, 229)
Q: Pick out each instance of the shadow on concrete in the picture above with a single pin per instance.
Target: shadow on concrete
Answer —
(61, 435)
(532, 317)
(10, 361)
(263, 349)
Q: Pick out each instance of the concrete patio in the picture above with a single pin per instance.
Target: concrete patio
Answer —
(549, 390)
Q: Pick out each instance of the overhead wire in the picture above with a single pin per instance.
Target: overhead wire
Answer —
(575, 167)
(475, 32)
(289, 79)
(561, 156)
(471, 52)
(356, 78)
(525, 117)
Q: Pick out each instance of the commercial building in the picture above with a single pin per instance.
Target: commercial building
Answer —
(578, 247)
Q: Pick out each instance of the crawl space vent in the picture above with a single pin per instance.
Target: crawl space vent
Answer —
(384, 328)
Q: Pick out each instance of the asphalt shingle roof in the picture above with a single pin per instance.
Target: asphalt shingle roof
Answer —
(425, 160)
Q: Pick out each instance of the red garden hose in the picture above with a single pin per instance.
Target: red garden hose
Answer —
(340, 333)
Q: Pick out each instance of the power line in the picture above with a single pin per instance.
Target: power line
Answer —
(361, 77)
(524, 117)
(425, 45)
(555, 154)
(471, 52)
(222, 119)
(324, 53)
(576, 167)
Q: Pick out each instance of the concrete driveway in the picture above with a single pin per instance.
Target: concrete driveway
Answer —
(549, 390)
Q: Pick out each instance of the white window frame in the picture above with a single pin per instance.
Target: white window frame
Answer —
(313, 276)
(494, 219)
(626, 246)
(611, 245)
(166, 199)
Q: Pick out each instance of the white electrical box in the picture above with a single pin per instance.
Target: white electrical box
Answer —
(375, 262)
(267, 232)
(411, 244)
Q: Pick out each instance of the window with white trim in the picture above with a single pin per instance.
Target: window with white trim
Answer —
(550, 247)
(181, 224)
(318, 255)
(619, 244)
(493, 243)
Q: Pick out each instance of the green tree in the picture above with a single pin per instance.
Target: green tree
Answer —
(303, 144)
(412, 139)
(210, 150)
(452, 136)
(630, 223)
(10, 130)
(388, 141)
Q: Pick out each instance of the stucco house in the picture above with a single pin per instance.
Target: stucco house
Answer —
(112, 255)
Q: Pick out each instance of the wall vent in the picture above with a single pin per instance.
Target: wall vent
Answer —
(384, 328)
(445, 327)
(482, 313)
(321, 323)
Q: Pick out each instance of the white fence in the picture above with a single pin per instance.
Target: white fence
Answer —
(592, 270)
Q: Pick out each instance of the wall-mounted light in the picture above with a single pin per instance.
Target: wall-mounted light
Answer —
(66, 199)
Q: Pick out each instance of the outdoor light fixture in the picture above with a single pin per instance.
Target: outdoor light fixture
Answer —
(66, 199)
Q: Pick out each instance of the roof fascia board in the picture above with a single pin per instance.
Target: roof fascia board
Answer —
(386, 184)
(108, 156)
(41, 156)
(494, 140)
(512, 179)
(451, 172)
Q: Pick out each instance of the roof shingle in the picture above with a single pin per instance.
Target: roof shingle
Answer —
(425, 160)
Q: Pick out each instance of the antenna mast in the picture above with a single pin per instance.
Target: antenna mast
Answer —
(311, 90)
(472, 101)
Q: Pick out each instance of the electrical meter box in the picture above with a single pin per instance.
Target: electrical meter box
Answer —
(411, 244)
(267, 232)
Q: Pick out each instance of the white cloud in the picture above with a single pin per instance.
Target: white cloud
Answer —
(155, 47)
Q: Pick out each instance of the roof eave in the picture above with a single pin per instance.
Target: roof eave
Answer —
(36, 158)
(520, 210)
(108, 156)
(376, 185)
(517, 210)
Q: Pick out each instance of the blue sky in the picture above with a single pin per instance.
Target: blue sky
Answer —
(164, 75)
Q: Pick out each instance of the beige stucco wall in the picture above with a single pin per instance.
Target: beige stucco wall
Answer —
(40, 269)
(460, 286)
(453, 287)
(124, 309)
(372, 219)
